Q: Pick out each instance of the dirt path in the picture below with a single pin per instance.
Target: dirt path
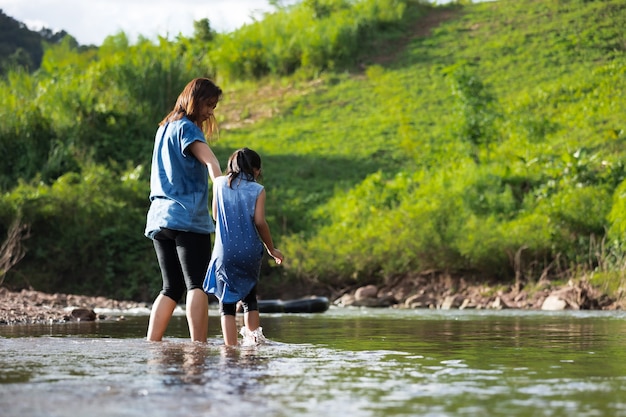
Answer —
(422, 27)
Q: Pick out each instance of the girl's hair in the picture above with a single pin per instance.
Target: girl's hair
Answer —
(242, 163)
(198, 92)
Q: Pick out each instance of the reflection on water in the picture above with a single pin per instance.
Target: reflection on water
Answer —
(192, 363)
(360, 362)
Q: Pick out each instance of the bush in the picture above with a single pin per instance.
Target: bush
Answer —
(87, 236)
(617, 215)
(311, 36)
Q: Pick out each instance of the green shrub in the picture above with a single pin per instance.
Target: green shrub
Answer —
(311, 36)
(617, 215)
(86, 236)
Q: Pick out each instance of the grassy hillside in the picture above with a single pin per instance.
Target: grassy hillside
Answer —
(488, 139)
(480, 139)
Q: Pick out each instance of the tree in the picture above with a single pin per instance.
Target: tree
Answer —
(202, 30)
(22, 47)
(477, 108)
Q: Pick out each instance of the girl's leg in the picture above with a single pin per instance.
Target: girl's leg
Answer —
(229, 323)
(252, 320)
(251, 317)
(229, 330)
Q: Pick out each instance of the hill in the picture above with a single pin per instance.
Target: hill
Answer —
(477, 141)
(22, 47)
(487, 147)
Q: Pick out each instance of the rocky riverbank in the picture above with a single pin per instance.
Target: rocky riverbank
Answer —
(447, 292)
(29, 307)
(419, 291)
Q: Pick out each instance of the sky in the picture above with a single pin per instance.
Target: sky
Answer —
(91, 21)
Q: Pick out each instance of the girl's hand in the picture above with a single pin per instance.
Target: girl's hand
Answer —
(277, 255)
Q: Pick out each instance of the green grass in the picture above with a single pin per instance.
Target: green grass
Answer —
(553, 68)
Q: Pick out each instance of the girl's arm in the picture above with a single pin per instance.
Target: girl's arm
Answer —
(264, 230)
(204, 154)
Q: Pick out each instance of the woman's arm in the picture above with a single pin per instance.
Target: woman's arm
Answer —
(264, 229)
(204, 154)
(214, 203)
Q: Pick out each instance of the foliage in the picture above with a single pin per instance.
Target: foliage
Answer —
(22, 48)
(490, 143)
(87, 230)
(476, 108)
(617, 215)
(311, 36)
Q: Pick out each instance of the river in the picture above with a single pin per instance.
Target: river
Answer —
(344, 362)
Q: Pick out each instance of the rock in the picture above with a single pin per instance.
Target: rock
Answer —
(369, 291)
(497, 304)
(467, 303)
(371, 302)
(387, 300)
(553, 303)
(350, 300)
(83, 314)
(451, 301)
(421, 300)
(569, 297)
(345, 300)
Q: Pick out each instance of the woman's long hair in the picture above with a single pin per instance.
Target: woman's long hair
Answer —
(198, 92)
(242, 164)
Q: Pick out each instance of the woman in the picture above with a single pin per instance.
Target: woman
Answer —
(178, 220)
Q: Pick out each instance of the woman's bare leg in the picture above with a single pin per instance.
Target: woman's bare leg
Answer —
(160, 316)
(197, 310)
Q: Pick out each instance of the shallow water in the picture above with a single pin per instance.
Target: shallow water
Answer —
(361, 362)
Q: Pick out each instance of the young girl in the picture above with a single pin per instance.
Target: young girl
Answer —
(241, 233)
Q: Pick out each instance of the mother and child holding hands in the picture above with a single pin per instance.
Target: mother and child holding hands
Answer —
(180, 226)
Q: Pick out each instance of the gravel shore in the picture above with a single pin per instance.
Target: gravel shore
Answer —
(29, 307)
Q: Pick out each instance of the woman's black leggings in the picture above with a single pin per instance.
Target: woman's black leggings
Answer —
(183, 258)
